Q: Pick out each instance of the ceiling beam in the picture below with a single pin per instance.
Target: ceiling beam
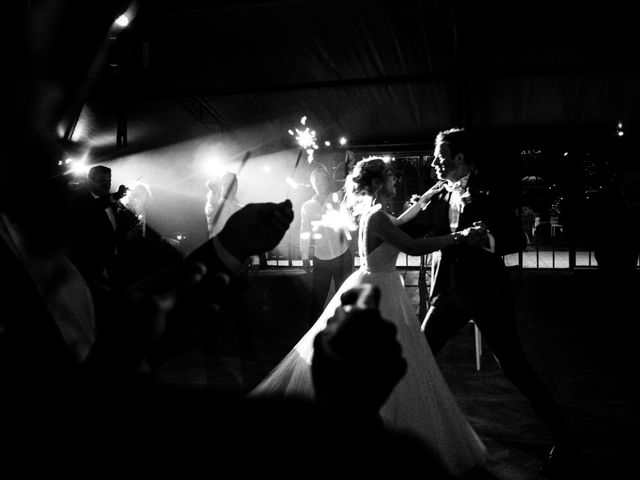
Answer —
(452, 75)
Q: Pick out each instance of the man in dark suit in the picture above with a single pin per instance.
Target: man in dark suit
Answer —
(471, 283)
(97, 218)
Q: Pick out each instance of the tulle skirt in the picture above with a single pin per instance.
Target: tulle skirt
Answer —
(421, 403)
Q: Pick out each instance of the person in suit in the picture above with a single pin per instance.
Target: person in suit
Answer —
(471, 282)
(97, 218)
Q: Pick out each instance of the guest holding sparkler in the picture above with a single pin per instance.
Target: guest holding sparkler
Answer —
(228, 203)
(332, 257)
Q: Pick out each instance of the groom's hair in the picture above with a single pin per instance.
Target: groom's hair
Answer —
(459, 141)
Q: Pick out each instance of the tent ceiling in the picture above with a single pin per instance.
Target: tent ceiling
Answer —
(380, 72)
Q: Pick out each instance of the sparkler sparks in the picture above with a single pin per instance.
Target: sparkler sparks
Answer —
(337, 219)
(306, 139)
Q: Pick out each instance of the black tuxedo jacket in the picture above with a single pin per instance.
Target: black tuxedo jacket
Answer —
(470, 270)
(93, 239)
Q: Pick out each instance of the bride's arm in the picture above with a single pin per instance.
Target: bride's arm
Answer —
(413, 210)
(381, 226)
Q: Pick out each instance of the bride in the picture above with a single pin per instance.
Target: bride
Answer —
(421, 402)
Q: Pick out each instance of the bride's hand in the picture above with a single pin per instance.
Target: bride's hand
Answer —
(429, 194)
(475, 235)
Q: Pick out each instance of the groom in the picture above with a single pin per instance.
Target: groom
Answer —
(470, 283)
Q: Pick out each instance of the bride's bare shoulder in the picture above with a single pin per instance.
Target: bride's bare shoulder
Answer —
(380, 217)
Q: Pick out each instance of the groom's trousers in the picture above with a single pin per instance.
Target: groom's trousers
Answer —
(494, 314)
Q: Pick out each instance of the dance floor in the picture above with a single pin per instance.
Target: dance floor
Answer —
(580, 340)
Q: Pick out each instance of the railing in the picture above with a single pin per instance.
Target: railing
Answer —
(543, 252)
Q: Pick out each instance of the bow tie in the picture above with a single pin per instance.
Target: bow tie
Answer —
(460, 186)
(454, 188)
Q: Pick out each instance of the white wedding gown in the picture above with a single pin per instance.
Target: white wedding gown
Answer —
(421, 402)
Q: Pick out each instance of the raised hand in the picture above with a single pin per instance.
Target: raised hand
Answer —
(122, 191)
(256, 228)
(357, 359)
(425, 197)
(429, 194)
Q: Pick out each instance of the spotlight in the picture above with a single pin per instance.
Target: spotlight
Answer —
(343, 141)
(214, 166)
(77, 167)
(122, 21)
(327, 143)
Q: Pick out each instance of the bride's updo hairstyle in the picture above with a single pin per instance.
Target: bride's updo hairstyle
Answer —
(365, 173)
(367, 177)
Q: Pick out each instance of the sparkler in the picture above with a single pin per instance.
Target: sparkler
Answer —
(226, 193)
(337, 219)
(307, 140)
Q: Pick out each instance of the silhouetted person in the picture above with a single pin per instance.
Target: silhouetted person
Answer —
(617, 205)
(97, 223)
